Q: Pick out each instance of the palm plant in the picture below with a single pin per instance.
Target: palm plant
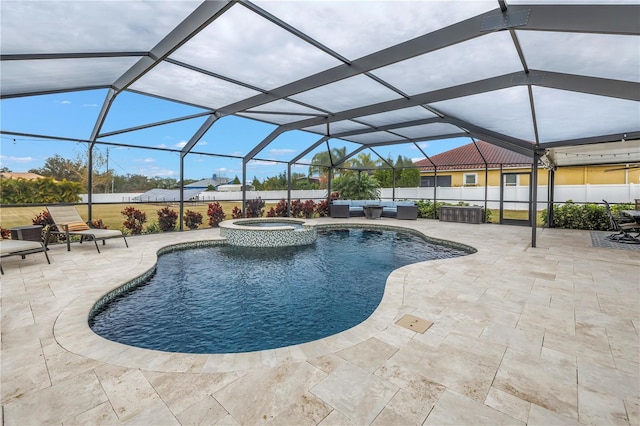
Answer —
(357, 186)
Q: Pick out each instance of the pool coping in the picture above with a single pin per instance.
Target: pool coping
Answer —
(71, 328)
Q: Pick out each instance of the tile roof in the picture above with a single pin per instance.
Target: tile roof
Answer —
(467, 156)
(21, 175)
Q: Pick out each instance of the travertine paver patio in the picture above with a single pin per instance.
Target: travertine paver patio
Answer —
(521, 335)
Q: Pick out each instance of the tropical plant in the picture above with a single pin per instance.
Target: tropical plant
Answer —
(282, 208)
(322, 208)
(192, 219)
(236, 213)
(134, 219)
(357, 186)
(152, 228)
(167, 219)
(322, 160)
(255, 207)
(296, 208)
(97, 224)
(5, 233)
(308, 208)
(215, 213)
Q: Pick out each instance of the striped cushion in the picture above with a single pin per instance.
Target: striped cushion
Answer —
(77, 226)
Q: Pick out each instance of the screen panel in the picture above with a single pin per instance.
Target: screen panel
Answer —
(40, 75)
(88, 26)
(182, 84)
(566, 115)
(505, 111)
(246, 47)
(483, 57)
(346, 94)
(357, 28)
(595, 55)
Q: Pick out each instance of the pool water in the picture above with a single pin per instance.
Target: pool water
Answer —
(229, 299)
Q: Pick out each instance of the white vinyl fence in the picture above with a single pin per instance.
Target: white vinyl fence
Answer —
(515, 197)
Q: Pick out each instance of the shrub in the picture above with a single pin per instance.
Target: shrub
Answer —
(296, 208)
(134, 219)
(255, 207)
(586, 216)
(5, 233)
(322, 208)
(45, 220)
(282, 208)
(97, 224)
(272, 212)
(192, 219)
(152, 228)
(236, 213)
(167, 219)
(308, 209)
(44, 190)
(215, 213)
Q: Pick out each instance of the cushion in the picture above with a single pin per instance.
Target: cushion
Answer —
(77, 226)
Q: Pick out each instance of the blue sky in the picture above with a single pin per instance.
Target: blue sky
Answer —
(72, 115)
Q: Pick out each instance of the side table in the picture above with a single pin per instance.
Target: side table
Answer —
(372, 212)
(29, 233)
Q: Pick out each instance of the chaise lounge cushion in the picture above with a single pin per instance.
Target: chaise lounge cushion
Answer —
(15, 246)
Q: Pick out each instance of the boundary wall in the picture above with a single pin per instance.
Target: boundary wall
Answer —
(516, 197)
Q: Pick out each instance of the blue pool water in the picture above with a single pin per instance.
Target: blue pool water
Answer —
(229, 299)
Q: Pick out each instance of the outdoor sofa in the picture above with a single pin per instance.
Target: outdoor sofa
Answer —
(355, 208)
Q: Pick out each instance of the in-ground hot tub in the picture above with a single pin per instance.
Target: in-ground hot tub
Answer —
(269, 232)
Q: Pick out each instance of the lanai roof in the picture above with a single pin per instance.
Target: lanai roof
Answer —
(523, 75)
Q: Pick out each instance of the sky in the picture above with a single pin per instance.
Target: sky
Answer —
(73, 114)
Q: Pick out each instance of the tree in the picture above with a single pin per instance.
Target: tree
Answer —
(323, 159)
(256, 184)
(364, 162)
(60, 168)
(408, 175)
(275, 182)
(357, 186)
(236, 180)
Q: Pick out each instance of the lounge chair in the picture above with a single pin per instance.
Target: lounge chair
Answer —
(622, 227)
(67, 221)
(21, 248)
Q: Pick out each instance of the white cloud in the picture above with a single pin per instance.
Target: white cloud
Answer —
(180, 144)
(254, 163)
(145, 160)
(6, 158)
(161, 146)
(65, 102)
(157, 171)
(422, 145)
(281, 151)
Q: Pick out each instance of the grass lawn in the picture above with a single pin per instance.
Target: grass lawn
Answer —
(109, 213)
(111, 216)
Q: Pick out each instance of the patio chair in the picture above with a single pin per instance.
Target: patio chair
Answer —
(21, 248)
(623, 227)
(67, 221)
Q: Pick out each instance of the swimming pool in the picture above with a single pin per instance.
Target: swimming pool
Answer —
(230, 299)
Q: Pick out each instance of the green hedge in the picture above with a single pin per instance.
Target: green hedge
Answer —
(45, 190)
(583, 216)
